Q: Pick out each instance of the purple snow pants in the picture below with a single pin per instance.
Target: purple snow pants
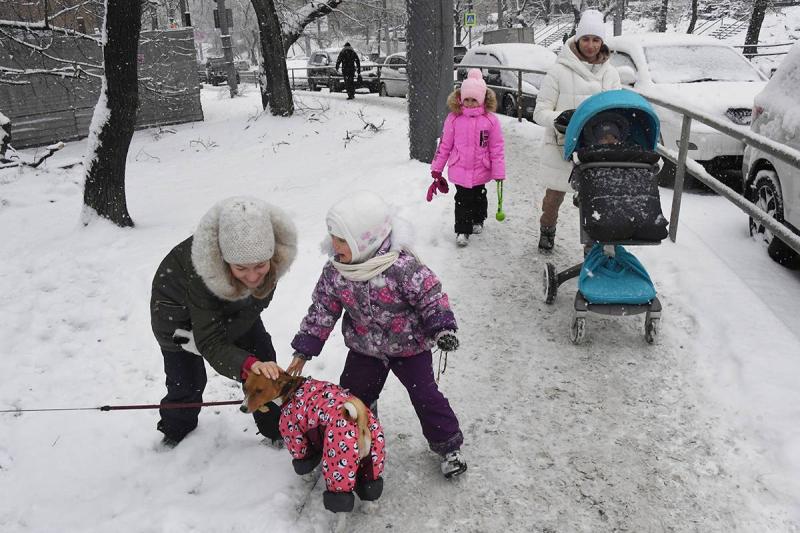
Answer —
(365, 376)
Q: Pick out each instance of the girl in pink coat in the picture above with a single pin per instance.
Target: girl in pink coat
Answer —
(472, 147)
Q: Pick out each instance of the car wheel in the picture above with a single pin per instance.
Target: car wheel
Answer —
(509, 106)
(382, 90)
(766, 195)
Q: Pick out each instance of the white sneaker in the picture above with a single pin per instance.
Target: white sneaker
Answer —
(453, 464)
(462, 239)
(477, 229)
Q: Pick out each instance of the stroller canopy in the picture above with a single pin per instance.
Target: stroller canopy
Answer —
(641, 116)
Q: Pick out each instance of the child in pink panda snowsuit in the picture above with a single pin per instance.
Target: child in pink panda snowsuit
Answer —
(311, 424)
(395, 312)
(472, 147)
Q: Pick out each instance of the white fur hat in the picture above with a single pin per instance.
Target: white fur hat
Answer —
(591, 23)
(363, 220)
(245, 231)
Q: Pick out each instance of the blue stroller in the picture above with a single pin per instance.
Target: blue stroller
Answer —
(611, 139)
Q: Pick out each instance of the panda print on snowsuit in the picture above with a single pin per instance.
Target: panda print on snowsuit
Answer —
(317, 404)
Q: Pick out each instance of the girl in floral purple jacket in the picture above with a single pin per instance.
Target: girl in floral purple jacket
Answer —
(394, 313)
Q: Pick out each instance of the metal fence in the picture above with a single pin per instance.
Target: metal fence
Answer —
(681, 159)
(780, 52)
(684, 163)
(299, 81)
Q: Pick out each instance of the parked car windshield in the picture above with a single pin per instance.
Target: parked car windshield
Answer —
(697, 63)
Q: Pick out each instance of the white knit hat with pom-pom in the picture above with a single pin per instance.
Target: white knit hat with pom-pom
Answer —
(474, 86)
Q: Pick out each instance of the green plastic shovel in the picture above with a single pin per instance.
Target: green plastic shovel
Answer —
(500, 216)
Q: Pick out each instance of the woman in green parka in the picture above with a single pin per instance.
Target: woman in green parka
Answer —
(207, 298)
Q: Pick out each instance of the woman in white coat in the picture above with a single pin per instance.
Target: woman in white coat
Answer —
(581, 70)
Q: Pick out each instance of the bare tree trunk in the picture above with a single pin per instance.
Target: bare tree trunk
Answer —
(754, 29)
(661, 19)
(458, 18)
(430, 78)
(275, 89)
(385, 19)
(693, 20)
(499, 14)
(114, 116)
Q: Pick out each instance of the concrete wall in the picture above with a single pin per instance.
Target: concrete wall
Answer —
(50, 109)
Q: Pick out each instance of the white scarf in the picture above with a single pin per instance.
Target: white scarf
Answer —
(367, 270)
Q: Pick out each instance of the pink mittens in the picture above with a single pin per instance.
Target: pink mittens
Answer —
(439, 185)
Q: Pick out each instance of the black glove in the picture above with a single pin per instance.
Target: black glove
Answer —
(561, 121)
(447, 341)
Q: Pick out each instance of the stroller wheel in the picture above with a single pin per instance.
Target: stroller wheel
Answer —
(577, 330)
(651, 330)
(549, 283)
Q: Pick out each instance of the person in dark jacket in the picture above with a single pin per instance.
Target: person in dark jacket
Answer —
(207, 297)
(351, 66)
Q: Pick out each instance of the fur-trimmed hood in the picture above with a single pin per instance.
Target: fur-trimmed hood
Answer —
(215, 272)
(454, 101)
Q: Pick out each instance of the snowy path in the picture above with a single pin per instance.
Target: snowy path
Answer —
(600, 437)
(699, 433)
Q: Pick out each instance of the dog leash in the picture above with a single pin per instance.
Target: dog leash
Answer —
(128, 407)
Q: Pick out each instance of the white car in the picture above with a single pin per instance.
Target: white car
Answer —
(701, 72)
(394, 76)
(505, 83)
(770, 183)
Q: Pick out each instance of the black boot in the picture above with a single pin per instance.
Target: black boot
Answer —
(338, 502)
(306, 464)
(370, 490)
(172, 437)
(547, 238)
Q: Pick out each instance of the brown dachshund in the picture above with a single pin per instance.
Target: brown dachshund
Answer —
(322, 423)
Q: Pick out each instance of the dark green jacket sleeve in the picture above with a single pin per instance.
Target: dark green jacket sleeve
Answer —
(217, 325)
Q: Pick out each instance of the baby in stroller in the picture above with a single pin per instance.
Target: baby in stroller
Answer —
(615, 176)
(611, 139)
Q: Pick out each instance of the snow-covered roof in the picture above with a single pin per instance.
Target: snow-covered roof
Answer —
(665, 39)
(523, 55)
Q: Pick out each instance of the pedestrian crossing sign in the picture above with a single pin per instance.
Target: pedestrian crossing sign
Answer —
(469, 19)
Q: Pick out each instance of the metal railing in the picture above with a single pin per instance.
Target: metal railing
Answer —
(519, 93)
(748, 56)
(741, 133)
(681, 159)
(327, 79)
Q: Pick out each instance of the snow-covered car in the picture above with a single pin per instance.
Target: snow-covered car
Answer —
(296, 66)
(506, 82)
(700, 72)
(394, 76)
(770, 183)
(321, 70)
(217, 71)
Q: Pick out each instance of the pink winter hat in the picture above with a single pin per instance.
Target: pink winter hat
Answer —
(474, 86)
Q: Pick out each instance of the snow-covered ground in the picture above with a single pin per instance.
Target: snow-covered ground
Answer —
(698, 433)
